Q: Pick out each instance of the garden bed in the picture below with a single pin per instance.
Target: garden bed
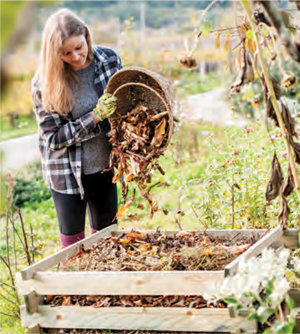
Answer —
(154, 293)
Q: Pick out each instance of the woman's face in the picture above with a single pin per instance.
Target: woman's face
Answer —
(75, 51)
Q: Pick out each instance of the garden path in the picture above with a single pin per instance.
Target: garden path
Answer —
(209, 107)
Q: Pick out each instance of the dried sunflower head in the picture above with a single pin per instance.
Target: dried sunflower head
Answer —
(289, 81)
(255, 102)
(187, 61)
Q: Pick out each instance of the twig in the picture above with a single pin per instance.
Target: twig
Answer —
(178, 223)
(7, 241)
(282, 31)
(32, 241)
(11, 278)
(12, 302)
(8, 292)
(10, 286)
(25, 238)
(281, 314)
(224, 29)
(10, 315)
(14, 247)
(158, 116)
(17, 233)
(195, 212)
(232, 201)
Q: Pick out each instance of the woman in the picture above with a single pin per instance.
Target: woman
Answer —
(72, 110)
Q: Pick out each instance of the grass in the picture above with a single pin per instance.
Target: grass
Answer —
(24, 126)
(207, 167)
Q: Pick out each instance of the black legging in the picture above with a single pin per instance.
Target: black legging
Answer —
(101, 200)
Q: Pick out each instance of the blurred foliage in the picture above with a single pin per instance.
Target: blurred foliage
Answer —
(158, 13)
(29, 188)
(242, 102)
(10, 11)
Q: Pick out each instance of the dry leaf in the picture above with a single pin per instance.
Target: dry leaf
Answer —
(66, 301)
(49, 298)
(208, 252)
(275, 181)
(227, 66)
(288, 184)
(284, 213)
(246, 73)
(296, 149)
(123, 207)
(145, 246)
(92, 298)
(141, 206)
(227, 43)
(181, 213)
(217, 42)
(133, 216)
(288, 120)
(164, 184)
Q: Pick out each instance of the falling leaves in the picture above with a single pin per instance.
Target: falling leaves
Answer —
(138, 138)
(275, 181)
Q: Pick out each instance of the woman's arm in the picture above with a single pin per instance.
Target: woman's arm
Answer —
(56, 131)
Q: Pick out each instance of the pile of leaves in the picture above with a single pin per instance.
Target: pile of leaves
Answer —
(133, 301)
(141, 251)
(100, 331)
(138, 139)
(154, 251)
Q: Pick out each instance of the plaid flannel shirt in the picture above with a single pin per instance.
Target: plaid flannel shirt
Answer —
(60, 137)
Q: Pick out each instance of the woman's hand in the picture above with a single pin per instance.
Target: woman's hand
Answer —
(105, 107)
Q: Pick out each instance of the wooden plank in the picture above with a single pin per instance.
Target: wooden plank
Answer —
(297, 326)
(121, 283)
(136, 318)
(65, 253)
(35, 329)
(32, 301)
(254, 250)
(295, 295)
(290, 238)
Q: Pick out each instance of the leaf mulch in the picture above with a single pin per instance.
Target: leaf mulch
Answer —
(138, 139)
(154, 251)
(99, 331)
(148, 251)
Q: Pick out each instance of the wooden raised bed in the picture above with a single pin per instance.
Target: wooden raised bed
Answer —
(33, 282)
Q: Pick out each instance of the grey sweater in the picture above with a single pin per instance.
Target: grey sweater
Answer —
(95, 151)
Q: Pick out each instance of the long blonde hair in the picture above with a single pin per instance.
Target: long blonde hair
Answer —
(56, 75)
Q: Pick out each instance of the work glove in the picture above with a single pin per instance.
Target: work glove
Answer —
(106, 106)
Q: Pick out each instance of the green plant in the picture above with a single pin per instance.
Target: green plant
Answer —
(259, 288)
(29, 188)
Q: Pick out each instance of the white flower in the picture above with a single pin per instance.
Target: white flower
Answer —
(253, 275)
(281, 287)
(296, 263)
